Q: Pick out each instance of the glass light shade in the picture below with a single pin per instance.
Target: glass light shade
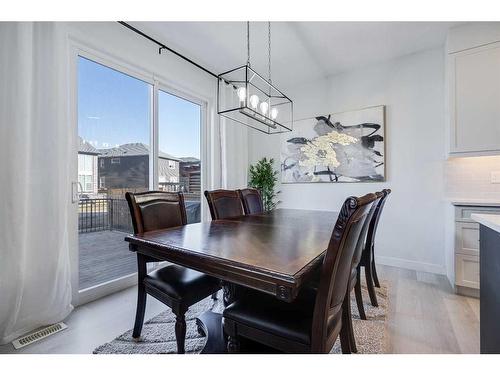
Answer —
(242, 94)
(264, 107)
(274, 113)
(254, 101)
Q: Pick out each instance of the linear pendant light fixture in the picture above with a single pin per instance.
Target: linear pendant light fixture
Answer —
(244, 96)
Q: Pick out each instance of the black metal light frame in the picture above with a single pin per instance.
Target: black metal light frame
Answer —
(270, 126)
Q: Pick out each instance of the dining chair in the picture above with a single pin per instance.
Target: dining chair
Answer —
(314, 320)
(251, 200)
(176, 286)
(368, 256)
(224, 204)
(354, 279)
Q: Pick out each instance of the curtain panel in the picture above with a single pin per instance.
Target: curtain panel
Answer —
(35, 147)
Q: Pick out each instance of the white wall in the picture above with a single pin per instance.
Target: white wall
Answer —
(411, 231)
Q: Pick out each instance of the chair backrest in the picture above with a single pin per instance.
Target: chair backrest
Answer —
(363, 238)
(372, 229)
(336, 269)
(251, 200)
(154, 210)
(224, 204)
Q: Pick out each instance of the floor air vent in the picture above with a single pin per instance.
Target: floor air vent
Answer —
(38, 335)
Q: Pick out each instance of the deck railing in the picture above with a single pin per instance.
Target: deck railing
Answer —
(101, 214)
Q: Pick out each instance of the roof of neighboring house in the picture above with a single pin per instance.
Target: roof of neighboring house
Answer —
(132, 149)
(189, 159)
(85, 147)
(164, 155)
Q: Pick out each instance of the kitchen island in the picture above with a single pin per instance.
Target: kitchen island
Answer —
(489, 237)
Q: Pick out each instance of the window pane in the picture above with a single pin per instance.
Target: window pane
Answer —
(113, 125)
(88, 183)
(179, 164)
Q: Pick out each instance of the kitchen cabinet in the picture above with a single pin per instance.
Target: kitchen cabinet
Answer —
(467, 249)
(490, 281)
(474, 84)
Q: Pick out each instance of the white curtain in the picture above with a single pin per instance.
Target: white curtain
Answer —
(35, 149)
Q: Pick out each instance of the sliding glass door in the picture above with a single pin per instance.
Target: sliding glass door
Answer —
(114, 121)
(134, 134)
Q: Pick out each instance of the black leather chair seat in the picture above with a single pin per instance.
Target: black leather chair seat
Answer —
(182, 283)
(292, 321)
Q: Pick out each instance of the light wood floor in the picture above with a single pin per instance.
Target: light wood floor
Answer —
(424, 317)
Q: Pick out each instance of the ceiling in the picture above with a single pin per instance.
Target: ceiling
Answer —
(301, 51)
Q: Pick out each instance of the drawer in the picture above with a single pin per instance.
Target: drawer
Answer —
(467, 271)
(467, 238)
(462, 213)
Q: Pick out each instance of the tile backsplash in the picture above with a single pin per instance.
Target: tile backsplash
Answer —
(471, 177)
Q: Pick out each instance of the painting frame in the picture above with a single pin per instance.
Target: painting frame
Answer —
(381, 131)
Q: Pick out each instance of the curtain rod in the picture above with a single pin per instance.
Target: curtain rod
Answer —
(163, 46)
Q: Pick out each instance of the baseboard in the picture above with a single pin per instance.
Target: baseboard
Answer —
(469, 292)
(411, 265)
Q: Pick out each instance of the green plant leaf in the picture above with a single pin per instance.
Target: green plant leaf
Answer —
(263, 177)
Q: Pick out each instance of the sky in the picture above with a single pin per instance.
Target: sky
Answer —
(114, 108)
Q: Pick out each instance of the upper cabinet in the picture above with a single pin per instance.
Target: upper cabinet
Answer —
(474, 93)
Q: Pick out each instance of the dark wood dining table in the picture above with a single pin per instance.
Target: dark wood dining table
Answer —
(275, 252)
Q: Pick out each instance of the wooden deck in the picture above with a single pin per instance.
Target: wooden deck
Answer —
(104, 256)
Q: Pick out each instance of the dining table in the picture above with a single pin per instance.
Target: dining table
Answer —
(275, 252)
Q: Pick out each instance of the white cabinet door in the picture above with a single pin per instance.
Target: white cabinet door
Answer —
(467, 271)
(467, 238)
(475, 100)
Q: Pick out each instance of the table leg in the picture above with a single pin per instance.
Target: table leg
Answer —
(211, 324)
(230, 293)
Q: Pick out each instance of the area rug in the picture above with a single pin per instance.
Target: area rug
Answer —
(158, 335)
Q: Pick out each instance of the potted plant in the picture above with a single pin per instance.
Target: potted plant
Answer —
(264, 178)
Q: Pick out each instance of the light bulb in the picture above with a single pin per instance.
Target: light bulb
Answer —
(274, 113)
(264, 107)
(254, 101)
(242, 95)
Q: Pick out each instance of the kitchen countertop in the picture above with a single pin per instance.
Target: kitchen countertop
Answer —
(474, 202)
(491, 221)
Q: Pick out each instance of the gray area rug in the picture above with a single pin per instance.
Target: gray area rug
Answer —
(158, 335)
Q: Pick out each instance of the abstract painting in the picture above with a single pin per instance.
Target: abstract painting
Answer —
(339, 147)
